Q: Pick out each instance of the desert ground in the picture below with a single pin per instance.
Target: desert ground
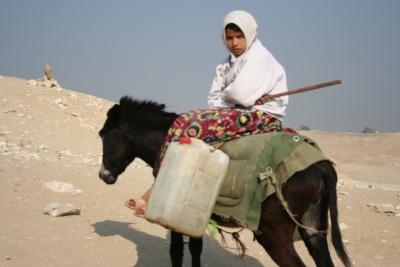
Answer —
(49, 135)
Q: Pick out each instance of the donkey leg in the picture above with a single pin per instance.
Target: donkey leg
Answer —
(281, 250)
(176, 249)
(277, 234)
(316, 217)
(195, 248)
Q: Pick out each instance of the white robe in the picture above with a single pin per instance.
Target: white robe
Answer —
(243, 80)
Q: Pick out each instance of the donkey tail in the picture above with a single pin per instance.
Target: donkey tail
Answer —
(330, 179)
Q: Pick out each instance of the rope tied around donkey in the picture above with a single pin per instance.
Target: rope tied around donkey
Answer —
(269, 174)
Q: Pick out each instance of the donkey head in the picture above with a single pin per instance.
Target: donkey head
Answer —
(118, 153)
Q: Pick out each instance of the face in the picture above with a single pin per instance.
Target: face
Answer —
(236, 42)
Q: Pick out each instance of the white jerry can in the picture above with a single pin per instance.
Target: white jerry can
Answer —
(187, 186)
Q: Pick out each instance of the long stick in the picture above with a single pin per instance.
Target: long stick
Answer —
(266, 98)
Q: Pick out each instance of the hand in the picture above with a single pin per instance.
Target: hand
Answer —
(260, 101)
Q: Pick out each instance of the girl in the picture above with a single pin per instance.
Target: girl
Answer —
(249, 72)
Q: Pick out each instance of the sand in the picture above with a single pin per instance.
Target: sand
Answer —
(51, 134)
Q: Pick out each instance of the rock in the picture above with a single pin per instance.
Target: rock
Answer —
(61, 187)
(345, 241)
(48, 71)
(363, 186)
(387, 208)
(75, 114)
(397, 210)
(343, 226)
(343, 193)
(32, 82)
(60, 103)
(57, 209)
(72, 95)
(383, 208)
(43, 148)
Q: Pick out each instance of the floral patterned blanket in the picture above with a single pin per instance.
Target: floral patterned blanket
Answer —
(214, 126)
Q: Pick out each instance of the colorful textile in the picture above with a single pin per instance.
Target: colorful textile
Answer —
(214, 126)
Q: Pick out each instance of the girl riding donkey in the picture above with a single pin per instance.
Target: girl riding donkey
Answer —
(249, 72)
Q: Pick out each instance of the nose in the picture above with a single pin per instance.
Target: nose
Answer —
(234, 42)
(106, 176)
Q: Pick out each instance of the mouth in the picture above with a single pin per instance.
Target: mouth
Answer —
(236, 51)
(106, 176)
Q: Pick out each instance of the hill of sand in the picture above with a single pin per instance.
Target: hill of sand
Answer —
(51, 134)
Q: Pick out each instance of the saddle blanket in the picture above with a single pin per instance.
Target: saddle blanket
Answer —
(245, 188)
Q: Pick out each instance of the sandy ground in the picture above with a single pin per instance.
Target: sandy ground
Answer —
(52, 135)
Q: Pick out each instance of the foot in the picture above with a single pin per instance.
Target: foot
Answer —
(138, 205)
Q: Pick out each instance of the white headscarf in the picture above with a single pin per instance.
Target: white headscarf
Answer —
(245, 21)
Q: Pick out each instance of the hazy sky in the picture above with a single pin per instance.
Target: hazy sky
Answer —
(167, 51)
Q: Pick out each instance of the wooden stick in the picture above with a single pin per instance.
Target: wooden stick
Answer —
(266, 98)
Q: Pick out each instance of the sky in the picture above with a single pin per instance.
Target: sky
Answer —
(167, 51)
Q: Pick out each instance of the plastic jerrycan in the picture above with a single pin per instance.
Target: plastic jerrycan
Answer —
(187, 186)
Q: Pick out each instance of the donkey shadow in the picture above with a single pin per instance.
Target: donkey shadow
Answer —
(154, 251)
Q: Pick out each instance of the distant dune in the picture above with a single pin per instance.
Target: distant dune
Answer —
(51, 134)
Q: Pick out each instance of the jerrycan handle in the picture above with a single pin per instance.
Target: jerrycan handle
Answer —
(185, 140)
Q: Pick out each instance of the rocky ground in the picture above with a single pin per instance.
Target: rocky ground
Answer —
(50, 152)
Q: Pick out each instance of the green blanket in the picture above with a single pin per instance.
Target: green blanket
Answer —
(244, 188)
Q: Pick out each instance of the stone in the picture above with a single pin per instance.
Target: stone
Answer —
(48, 71)
(75, 114)
(60, 102)
(61, 187)
(32, 82)
(387, 208)
(57, 209)
(397, 210)
(383, 208)
(363, 186)
(343, 226)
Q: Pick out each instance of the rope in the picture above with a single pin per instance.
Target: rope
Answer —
(217, 146)
(270, 175)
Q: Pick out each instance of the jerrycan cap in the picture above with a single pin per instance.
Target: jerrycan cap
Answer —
(185, 140)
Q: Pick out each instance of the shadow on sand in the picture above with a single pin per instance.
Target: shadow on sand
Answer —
(154, 251)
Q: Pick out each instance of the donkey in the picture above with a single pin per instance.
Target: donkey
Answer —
(136, 128)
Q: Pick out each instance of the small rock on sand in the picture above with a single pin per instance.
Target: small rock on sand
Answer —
(57, 209)
(61, 187)
(383, 208)
(343, 226)
(32, 82)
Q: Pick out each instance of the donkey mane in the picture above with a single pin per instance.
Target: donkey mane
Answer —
(145, 113)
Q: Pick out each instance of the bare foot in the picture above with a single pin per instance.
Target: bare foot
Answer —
(138, 205)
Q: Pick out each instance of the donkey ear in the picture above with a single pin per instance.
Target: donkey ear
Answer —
(114, 112)
(113, 118)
